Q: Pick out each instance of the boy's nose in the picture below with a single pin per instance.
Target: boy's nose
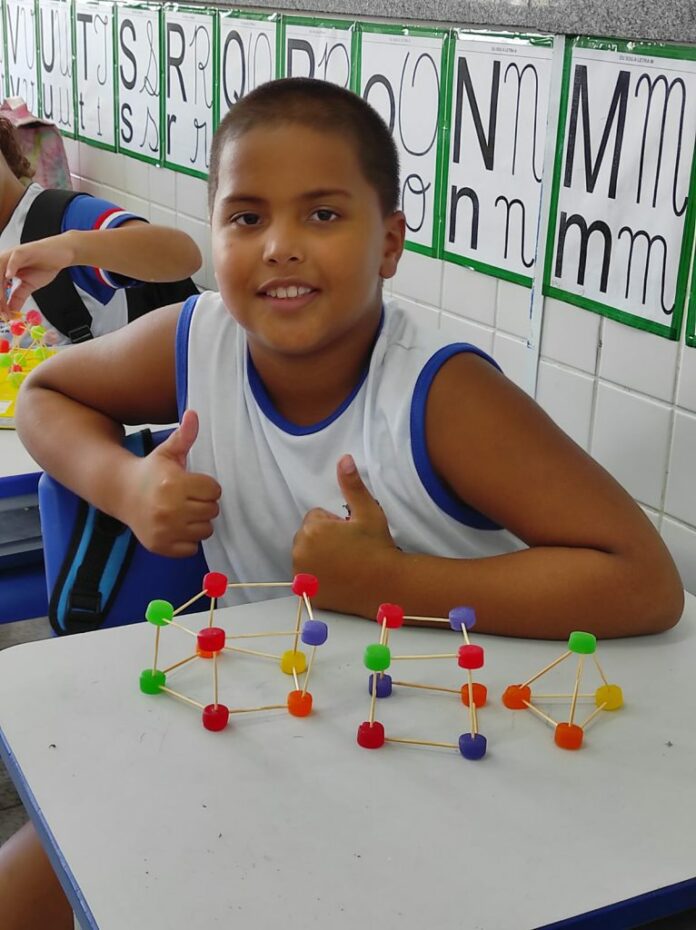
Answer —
(281, 247)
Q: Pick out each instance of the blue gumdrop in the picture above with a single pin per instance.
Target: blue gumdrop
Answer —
(314, 633)
(384, 685)
(472, 745)
(462, 617)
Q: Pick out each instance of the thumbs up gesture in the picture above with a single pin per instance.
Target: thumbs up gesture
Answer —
(349, 555)
(171, 509)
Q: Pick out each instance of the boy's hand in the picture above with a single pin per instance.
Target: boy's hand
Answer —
(348, 556)
(171, 510)
(34, 265)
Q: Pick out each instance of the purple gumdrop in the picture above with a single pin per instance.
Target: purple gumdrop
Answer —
(384, 685)
(314, 632)
(462, 617)
(472, 745)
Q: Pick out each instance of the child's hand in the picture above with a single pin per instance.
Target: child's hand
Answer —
(348, 556)
(171, 510)
(33, 265)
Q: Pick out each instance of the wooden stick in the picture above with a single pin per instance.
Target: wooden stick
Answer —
(595, 713)
(546, 669)
(258, 635)
(212, 611)
(408, 684)
(180, 626)
(383, 632)
(297, 623)
(260, 584)
(438, 619)
(188, 603)
(373, 698)
(466, 635)
(472, 709)
(599, 669)
(308, 605)
(420, 742)
(294, 675)
(182, 697)
(251, 652)
(539, 713)
(309, 669)
(436, 655)
(178, 664)
(251, 710)
(157, 639)
(578, 675)
(545, 697)
(215, 679)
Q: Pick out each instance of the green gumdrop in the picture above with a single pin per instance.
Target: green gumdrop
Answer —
(37, 332)
(5, 360)
(42, 353)
(18, 358)
(15, 378)
(377, 657)
(582, 643)
(159, 612)
(152, 680)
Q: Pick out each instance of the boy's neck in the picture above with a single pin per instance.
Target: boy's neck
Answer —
(11, 192)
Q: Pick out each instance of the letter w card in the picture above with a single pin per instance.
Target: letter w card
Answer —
(620, 231)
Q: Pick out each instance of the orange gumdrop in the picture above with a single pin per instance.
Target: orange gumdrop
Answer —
(515, 697)
(299, 704)
(203, 653)
(480, 694)
(568, 736)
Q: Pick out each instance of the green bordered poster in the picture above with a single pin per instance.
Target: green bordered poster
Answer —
(317, 48)
(497, 115)
(248, 45)
(56, 64)
(21, 53)
(402, 73)
(96, 91)
(691, 317)
(621, 222)
(139, 81)
(189, 85)
(3, 69)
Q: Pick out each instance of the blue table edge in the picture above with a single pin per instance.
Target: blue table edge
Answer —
(623, 915)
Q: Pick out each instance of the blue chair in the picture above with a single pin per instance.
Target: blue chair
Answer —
(128, 575)
(22, 582)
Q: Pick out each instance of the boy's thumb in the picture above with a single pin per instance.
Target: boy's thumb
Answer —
(360, 502)
(179, 443)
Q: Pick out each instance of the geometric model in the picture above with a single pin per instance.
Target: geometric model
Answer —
(16, 361)
(211, 641)
(568, 734)
(377, 659)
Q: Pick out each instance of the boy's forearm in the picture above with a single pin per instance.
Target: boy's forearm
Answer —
(137, 250)
(539, 592)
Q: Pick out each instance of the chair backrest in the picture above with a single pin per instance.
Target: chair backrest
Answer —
(128, 576)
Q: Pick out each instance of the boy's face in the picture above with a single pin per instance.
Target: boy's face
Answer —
(299, 240)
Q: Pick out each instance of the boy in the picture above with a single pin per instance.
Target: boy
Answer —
(295, 369)
(106, 249)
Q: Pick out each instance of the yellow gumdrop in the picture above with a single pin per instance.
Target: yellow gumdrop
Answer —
(291, 660)
(610, 695)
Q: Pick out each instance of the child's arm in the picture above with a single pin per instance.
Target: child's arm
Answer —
(595, 561)
(134, 250)
(69, 416)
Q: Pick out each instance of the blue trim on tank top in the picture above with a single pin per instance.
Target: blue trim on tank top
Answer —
(262, 398)
(183, 328)
(435, 487)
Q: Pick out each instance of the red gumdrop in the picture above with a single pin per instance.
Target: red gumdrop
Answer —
(215, 584)
(299, 704)
(371, 735)
(4, 346)
(392, 613)
(18, 327)
(305, 584)
(568, 736)
(516, 697)
(470, 656)
(16, 368)
(211, 639)
(215, 717)
(33, 318)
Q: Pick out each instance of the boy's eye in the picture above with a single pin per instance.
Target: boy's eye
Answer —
(325, 215)
(246, 219)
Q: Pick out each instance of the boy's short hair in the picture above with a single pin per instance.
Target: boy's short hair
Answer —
(324, 107)
(11, 150)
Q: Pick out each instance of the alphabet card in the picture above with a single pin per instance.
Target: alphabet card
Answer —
(94, 61)
(56, 58)
(3, 70)
(247, 55)
(402, 74)
(497, 134)
(317, 48)
(22, 61)
(139, 32)
(691, 321)
(189, 67)
(620, 233)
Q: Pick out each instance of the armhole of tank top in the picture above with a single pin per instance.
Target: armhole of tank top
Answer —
(435, 488)
(183, 328)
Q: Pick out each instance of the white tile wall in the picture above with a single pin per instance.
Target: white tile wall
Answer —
(610, 387)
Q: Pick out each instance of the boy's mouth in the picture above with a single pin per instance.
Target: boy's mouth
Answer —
(288, 294)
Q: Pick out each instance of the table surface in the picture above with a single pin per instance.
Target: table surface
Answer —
(14, 458)
(156, 822)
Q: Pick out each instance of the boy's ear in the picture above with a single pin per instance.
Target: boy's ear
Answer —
(394, 235)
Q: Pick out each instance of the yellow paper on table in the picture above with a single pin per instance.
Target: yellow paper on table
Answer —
(10, 381)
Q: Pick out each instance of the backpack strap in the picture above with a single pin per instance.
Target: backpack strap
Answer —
(95, 563)
(145, 297)
(59, 301)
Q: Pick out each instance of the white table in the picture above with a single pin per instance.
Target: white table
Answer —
(279, 821)
(14, 458)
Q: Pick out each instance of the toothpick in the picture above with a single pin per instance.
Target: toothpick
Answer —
(260, 584)
(546, 669)
(472, 709)
(308, 605)
(297, 623)
(157, 639)
(420, 742)
(599, 669)
(182, 697)
(436, 619)
(539, 713)
(581, 661)
(408, 684)
(212, 611)
(309, 669)
(180, 626)
(567, 697)
(251, 652)
(215, 679)
(439, 655)
(251, 710)
(466, 635)
(595, 713)
(373, 699)
(178, 664)
(257, 635)
(294, 675)
(188, 603)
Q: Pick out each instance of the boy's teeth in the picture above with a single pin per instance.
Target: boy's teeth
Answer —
(292, 291)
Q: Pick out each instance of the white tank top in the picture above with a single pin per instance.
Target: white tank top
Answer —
(272, 471)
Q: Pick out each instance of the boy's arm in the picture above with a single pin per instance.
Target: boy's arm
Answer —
(69, 416)
(595, 561)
